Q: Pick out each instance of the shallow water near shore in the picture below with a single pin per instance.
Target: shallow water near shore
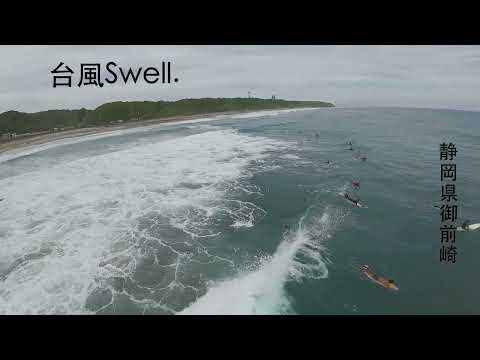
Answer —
(190, 218)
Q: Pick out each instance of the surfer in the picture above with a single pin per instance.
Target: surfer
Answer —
(465, 225)
(363, 158)
(380, 280)
(356, 184)
(328, 162)
(351, 199)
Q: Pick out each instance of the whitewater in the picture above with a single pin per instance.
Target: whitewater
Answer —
(262, 291)
(135, 229)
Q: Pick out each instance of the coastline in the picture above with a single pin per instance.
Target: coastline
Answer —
(42, 139)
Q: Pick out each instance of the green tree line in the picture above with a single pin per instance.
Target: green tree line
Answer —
(21, 123)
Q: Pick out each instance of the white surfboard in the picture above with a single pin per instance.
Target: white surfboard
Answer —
(360, 205)
(471, 227)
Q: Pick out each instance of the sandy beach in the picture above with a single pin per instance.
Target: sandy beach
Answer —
(66, 134)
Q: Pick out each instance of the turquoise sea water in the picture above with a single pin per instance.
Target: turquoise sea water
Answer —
(190, 218)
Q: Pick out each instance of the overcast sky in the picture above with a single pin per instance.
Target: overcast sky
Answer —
(416, 76)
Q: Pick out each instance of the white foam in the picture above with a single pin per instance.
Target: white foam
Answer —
(261, 291)
(290, 157)
(242, 224)
(268, 113)
(87, 212)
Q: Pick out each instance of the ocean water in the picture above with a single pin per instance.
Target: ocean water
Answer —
(189, 218)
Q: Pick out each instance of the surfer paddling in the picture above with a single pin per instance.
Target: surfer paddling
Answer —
(356, 185)
(379, 280)
(352, 200)
(465, 225)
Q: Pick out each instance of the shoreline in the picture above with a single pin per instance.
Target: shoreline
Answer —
(42, 139)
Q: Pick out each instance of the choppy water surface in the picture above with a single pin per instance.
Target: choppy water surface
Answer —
(190, 218)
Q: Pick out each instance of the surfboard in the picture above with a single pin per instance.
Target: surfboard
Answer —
(360, 205)
(471, 227)
(365, 270)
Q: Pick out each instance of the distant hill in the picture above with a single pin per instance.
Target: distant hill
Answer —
(21, 123)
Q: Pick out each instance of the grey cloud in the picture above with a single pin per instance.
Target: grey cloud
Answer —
(430, 76)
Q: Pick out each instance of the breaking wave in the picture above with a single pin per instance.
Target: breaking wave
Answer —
(301, 254)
